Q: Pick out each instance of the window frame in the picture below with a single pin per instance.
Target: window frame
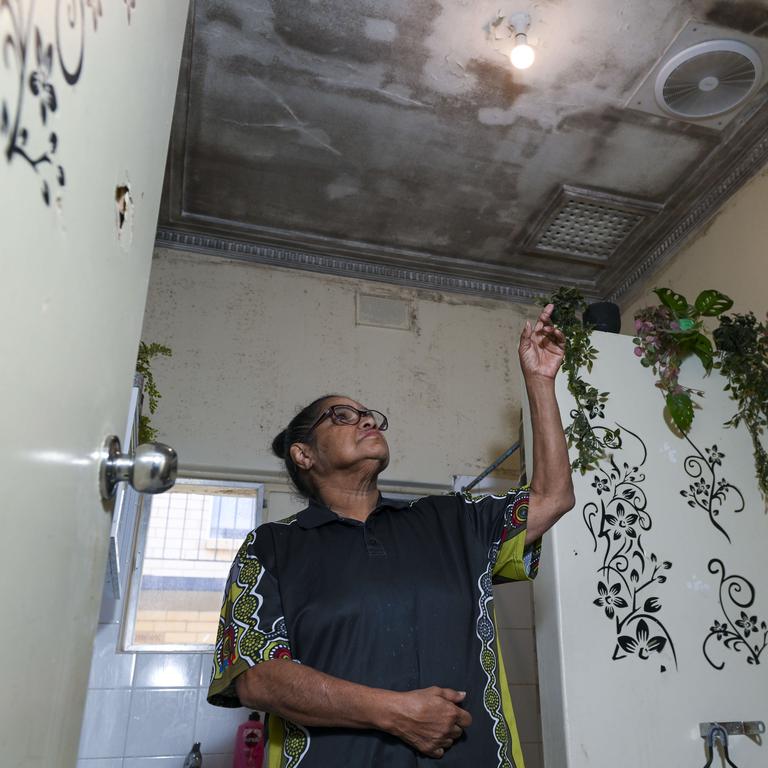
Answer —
(127, 643)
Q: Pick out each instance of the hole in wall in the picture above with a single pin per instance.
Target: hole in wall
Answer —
(124, 212)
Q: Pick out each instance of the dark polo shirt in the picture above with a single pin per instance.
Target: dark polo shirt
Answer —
(402, 602)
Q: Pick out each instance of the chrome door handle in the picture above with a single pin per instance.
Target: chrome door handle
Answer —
(151, 469)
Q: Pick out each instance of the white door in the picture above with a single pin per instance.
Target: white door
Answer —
(652, 599)
(86, 95)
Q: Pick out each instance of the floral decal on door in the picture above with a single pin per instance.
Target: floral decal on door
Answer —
(40, 70)
(709, 492)
(630, 575)
(742, 630)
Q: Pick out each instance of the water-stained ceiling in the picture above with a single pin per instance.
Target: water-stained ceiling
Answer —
(393, 140)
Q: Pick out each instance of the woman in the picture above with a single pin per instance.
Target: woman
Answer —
(387, 606)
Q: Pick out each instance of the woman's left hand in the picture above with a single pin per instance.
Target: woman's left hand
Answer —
(542, 347)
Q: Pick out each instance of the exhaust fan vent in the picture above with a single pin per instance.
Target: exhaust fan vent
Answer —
(708, 79)
(708, 75)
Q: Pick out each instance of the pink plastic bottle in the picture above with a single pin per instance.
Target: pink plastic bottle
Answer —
(249, 743)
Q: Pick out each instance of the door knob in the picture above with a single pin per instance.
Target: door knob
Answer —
(151, 469)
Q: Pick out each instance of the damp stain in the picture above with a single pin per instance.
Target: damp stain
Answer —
(223, 15)
(600, 126)
(495, 84)
(747, 16)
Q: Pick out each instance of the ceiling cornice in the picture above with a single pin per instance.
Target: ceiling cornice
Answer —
(242, 250)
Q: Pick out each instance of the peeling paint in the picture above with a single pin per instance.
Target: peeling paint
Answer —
(381, 30)
(344, 186)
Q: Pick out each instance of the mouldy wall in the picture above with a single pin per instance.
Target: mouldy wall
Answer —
(253, 343)
(731, 256)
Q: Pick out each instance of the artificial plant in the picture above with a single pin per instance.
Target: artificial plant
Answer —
(742, 357)
(147, 352)
(668, 333)
(590, 440)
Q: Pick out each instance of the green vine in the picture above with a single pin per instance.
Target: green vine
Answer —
(742, 348)
(668, 333)
(147, 352)
(590, 440)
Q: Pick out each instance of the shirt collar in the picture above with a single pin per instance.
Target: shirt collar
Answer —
(317, 514)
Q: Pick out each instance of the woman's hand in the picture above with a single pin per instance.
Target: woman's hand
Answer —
(430, 719)
(542, 347)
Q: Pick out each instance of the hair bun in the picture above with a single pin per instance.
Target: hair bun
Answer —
(279, 445)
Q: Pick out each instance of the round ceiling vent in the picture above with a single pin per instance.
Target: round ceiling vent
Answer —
(708, 79)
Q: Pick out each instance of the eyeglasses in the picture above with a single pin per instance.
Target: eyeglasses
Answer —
(347, 415)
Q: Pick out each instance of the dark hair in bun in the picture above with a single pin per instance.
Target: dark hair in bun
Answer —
(279, 447)
(296, 432)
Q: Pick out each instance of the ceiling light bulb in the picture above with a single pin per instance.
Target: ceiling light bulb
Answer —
(522, 55)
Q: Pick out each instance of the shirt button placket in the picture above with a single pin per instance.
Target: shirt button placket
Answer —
(372, 544)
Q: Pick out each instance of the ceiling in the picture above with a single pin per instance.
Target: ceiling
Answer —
(392, 140)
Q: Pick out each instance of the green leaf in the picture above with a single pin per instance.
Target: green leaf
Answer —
(712, 303)
(681, 410)
(702, 348)
(674, 301)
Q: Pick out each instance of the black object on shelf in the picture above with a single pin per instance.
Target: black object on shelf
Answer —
(603, 316)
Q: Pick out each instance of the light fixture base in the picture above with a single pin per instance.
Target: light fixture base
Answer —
(521, 22)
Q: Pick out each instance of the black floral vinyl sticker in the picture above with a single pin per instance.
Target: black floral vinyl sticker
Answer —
(709, 492)
(742, 630)
(39, 70)
(629, 574)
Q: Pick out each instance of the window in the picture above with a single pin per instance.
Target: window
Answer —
(231, 517)
(188, 538)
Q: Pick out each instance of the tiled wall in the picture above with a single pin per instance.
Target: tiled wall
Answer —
(145, 710)
(515, 620)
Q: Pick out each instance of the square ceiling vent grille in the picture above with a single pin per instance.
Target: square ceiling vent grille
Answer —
(587, 225)
(587, 229)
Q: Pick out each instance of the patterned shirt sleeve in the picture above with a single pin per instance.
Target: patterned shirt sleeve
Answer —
(251, 625)
(501, 522)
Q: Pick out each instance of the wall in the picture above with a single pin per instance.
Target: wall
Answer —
(730, 255)
(252, 343)
(145, 710)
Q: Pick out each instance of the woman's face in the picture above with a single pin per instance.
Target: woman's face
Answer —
(348, 446)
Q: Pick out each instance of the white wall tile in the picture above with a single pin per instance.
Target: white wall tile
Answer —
(167, 670)
(217, 726)
(105, 721)
(161, 722)
(110, 669)
(218, 761)
(175, 761)
(101, 762)
(525, 701)
(532, 754)
(205, 669)
(518, 649)
(514, 604)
